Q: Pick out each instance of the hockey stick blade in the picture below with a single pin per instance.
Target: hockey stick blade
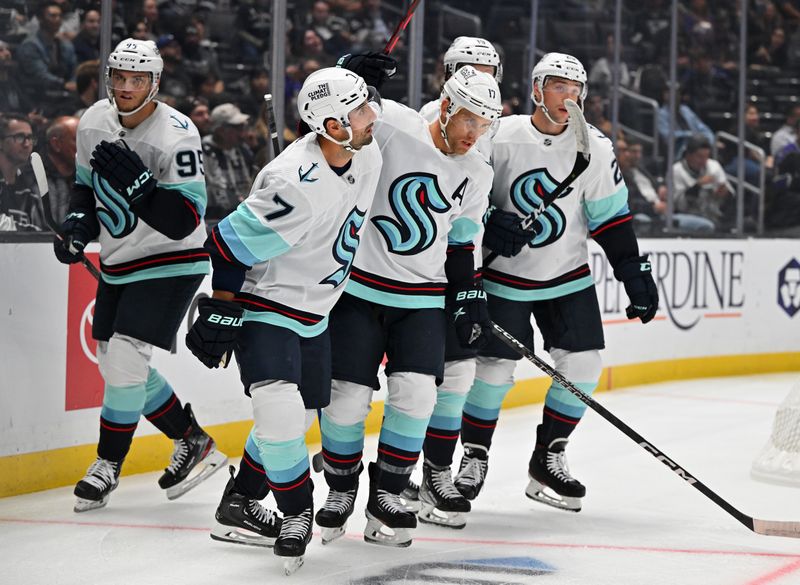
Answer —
(401, 26)
(766, 527)
(583, 157)
(44, 193)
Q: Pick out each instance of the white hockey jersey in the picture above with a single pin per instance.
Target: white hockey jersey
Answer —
(299, 230)
(169, 145)
(425, 201)
(528, 165)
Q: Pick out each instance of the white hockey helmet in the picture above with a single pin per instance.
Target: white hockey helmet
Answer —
(332, 92)
(472, 51)
(557, 65)
(472, 90)
(135, 55)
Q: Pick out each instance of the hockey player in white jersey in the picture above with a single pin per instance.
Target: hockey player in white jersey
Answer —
(139, 187)
(416, 258)
(280, 262)
(545, 272)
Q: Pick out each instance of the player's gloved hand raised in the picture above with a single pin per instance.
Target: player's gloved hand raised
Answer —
(469, 312)
(77, 230)
(213, 334)
(124, 171)
(374, 67)
(503, 232)
(636, 274)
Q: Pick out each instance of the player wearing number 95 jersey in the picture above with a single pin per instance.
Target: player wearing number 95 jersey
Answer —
(140, 190)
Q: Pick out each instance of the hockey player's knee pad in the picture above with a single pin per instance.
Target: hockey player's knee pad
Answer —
(124, 361)
(495, 371)
(578, 366)
(458, 376)
(350, 403)
(278, 411)
(412, 394)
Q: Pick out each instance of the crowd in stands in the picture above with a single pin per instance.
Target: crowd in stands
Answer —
(216, 71)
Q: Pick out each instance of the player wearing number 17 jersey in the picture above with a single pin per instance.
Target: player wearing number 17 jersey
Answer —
(545, 272)
(139, 190)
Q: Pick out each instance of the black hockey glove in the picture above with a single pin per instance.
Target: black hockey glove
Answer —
(503, 232)
(374, 67)
(213, 334)
(637, 275)
(77, 230)
(124, 171)
(467, 307)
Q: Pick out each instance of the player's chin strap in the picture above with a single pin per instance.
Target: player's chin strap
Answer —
(545, 111)
(443, 128)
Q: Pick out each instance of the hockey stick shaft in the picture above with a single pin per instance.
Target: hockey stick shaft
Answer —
(582, 159)
(767, 527)
(401, 26)
(44, 194)
(269, 114)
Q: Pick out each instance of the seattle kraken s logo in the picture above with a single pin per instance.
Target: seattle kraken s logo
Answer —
(527, 192)
(115, 213)
(412, 198)
(345, 246)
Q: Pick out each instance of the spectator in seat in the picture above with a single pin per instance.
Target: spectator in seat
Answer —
(88, 93)
(701, 186)
(786, 134)
(595, 111)
(87, 42)
(601, 75)
(251, 103)
(199, 55)
(369, 28)
(59, 162)
(48, 62)
(12, 98)
(783, 198)
(20, 206)
(199, 113)
(753, 159)
(687, 123)
(175, 81)
(333, 30)
(227, 161)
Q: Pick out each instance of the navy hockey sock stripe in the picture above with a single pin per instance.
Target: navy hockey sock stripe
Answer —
(170, 418)
(555, 425)
(341, 471)
(115, 439)
(439, 445)
(251, 479)
(477, 431)
(295, 496)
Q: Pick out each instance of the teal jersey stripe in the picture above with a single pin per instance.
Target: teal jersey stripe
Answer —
(447, 423)
(283, 457)
(540, 294)
(393, 299)
(287, 323)
(463, 231)
(405, 425)
(250, 241)
(83, 176)
(344, 439)
(121, 417)
(563, 401)
(449, 404)
(125, 398)
(166, 271)
(487, 395)
(252, 448)
(393, 439)
(481, 413)
(600, 211)
(194, 191)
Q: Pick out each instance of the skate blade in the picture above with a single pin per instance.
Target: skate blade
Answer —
(376, 532)
(291, 564)
(540, 493)
(331, 534)
(206, 467)
(432, 515)
(83, 505)
(237, 535)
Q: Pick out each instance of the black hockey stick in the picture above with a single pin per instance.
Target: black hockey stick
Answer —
(401, 26)
(767, 527)
(269, 118)
(582, 158)
(44, 194)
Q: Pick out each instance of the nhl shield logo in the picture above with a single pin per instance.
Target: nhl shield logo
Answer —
(789, 288)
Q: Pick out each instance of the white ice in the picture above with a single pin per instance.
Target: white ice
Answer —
(640, 524)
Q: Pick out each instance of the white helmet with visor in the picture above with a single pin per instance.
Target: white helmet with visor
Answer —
(135, 55)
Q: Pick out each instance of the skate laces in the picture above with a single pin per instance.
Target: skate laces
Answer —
(557, 465)
(339, 502)
(178, 456)
(296, 526)
(260, 513)
(442, 480)
(101, 474)
(473, 472)
(390, 502)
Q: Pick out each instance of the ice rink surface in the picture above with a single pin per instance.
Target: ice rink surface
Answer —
(640, 524)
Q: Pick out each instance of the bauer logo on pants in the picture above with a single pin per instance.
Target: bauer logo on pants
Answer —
(789, 288)
(84, 385)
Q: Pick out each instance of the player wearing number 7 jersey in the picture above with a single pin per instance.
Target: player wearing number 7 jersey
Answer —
(140, 190)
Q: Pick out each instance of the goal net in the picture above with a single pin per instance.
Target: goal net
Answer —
(779, 460)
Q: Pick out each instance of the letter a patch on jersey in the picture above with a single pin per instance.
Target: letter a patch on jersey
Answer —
(412, 198)
(345, 246)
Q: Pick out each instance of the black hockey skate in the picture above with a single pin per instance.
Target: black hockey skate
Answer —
(388, 520)
(332, 517)
(294, 537)
(410, 497)
(95, 488)
(243, 520)
(472, 471)
(550, 480)
(196, 450)
(442, 503)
